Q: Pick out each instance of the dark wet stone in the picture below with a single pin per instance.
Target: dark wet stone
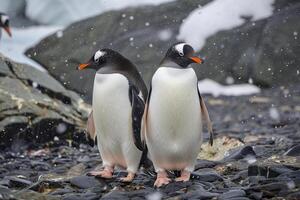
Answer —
(84, 158)
(205, 164)
(267, 169)
(240, 153)
(62, 191)
(6, 194)
(85, 182)
(18, 182)
(256, 179)
(294, 196)
(206, 176)
(200, 193)
(294, 151)
(270, 189)
(81, 196)
(240, 175)
(231, 194)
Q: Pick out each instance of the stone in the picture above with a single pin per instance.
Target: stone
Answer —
(240, 153)
(35, 108)
(267, 169)
(15, 182)
(294, 151)
(85, 182)
(206, 176)
(232, 194)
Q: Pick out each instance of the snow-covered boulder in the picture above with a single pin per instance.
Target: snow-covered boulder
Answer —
(261, 49)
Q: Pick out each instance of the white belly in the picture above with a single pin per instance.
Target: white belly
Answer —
(113, 123)
(174, 129)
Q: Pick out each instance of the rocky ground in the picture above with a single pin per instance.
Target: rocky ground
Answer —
(255, 156)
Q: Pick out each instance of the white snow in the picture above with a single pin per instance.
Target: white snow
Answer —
(221, 15)
(208, 86)
(64, 12)
(21, 40)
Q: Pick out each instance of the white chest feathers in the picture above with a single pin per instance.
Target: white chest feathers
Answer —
(174, 128)
(113, 122)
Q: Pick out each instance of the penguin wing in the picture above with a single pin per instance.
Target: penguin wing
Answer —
(205, 116)
(91, 128)
(138, 106)
(144, 124)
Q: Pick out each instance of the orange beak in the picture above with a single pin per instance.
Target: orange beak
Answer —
(83, 66)
(7, 29)
(196, 60)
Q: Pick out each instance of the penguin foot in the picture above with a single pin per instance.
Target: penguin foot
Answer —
(161, 179)
(184, 177)
(107, 172)
(128, 178)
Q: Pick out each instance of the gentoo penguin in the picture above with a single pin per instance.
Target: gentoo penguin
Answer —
(4, 23)
(173, 115)
(119, 96)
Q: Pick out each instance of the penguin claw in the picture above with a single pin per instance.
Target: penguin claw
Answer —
(128, 178)
(185, 176)
(160, 181)
(102, 174)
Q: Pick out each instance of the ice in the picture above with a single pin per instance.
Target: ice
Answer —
(208, 86)
(62, 12)
(22, 39)
(221, 15)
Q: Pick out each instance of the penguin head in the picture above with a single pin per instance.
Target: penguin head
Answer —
(182, 54)
(4, 23)
(101, 58)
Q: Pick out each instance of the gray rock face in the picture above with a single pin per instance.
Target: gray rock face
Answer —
(265, 51)
(34, 107)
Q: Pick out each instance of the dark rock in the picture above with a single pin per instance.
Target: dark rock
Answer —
(198, 194)
(240, 153)
(62, 191)
(267, 169)
(294, 196)
(80, 196)
(294, 151)
(232, 194)
(15, 182)
(269, 43)
(35, 108)
(205, 164)
(85, 182)
(206, 176)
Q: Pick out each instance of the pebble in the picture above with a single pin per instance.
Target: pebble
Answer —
(85, 182)
(232, 194)
(294, 151)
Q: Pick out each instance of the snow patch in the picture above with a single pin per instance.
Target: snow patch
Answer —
(22, 39)
(62, 12)
(207, 86)
(221, 15)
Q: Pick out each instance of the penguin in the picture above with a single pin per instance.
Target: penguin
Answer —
(174, 114)
(4, 23)
(119, 96)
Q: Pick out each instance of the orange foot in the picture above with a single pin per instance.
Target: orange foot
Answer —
(107, 172)
(161, 179)
(185, 176)
(128, 178)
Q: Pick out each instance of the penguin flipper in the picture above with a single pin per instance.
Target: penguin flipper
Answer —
(206, 117)
(138, 106)
(91, 131)
(144, 124)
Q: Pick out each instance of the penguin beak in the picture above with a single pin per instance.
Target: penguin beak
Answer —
(83, 66)
(196, 59)
(7, 29)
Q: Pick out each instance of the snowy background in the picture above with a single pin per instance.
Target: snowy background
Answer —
(33, 20)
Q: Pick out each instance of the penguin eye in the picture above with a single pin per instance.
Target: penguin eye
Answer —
(97, 60)
(181, 54)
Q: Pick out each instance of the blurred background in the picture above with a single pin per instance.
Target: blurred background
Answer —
(250, 81)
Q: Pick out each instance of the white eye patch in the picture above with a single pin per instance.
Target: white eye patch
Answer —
(179, 48)
(4, 18)
(98, 54)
